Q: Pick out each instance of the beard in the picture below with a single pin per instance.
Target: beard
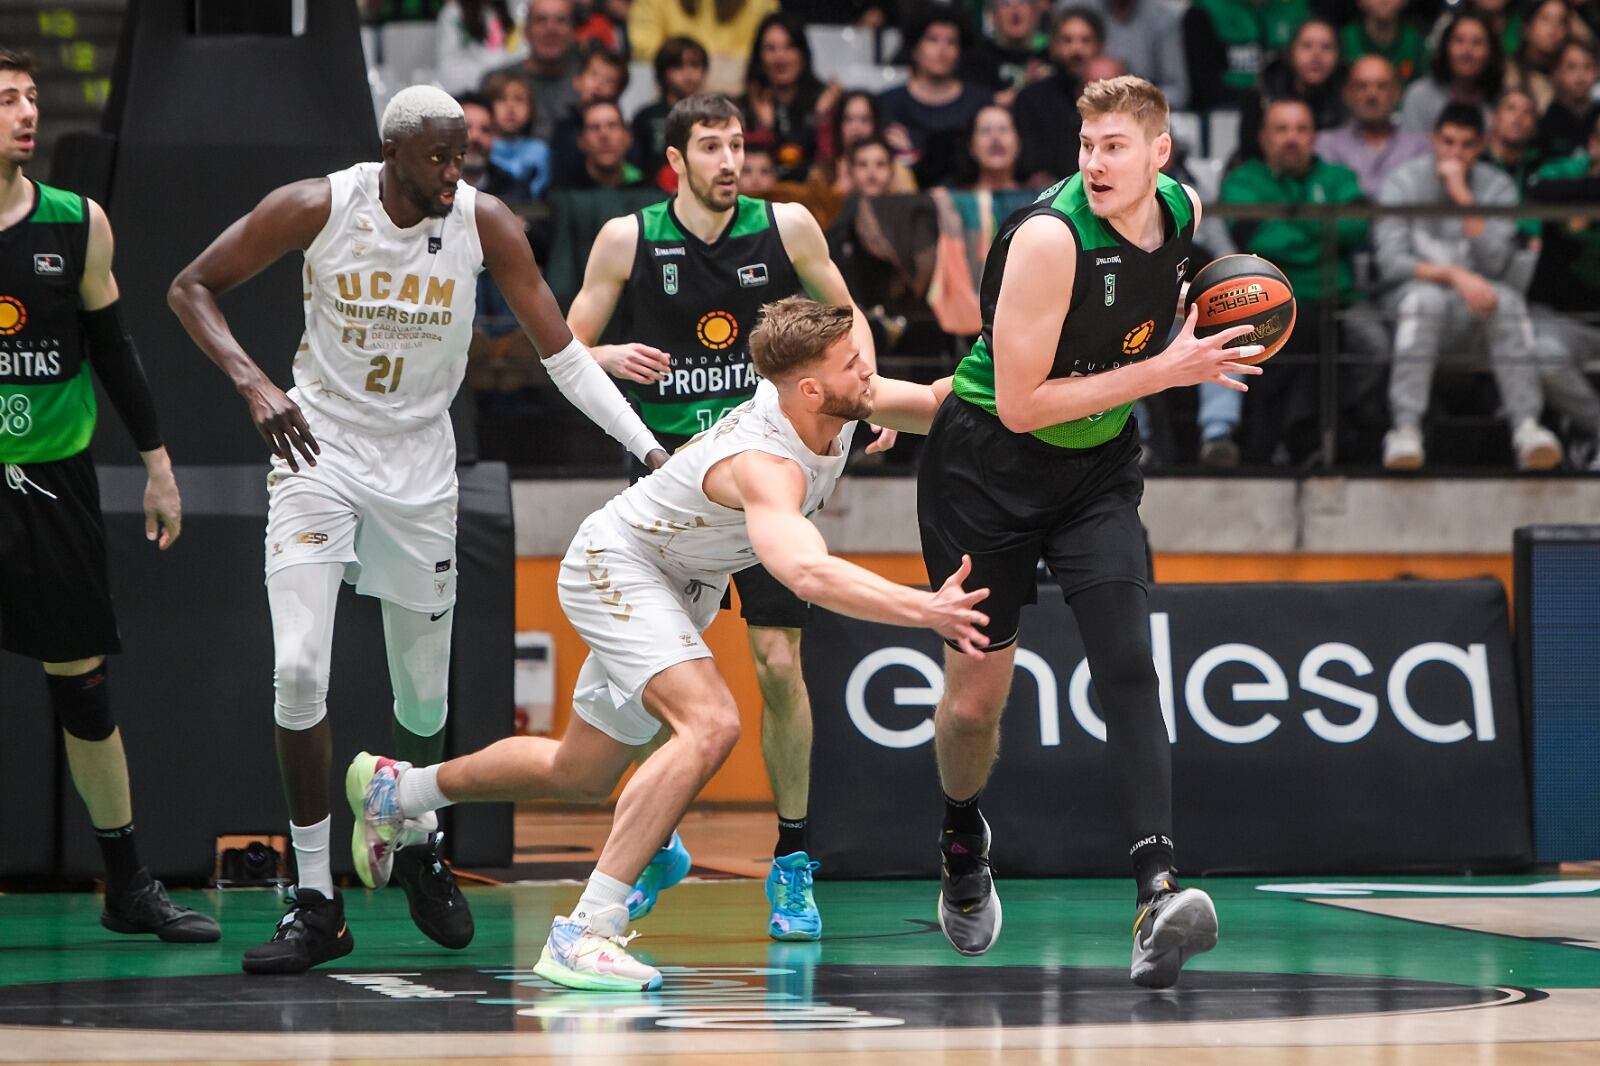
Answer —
(850, 408)
(429, 205)
(708, 193)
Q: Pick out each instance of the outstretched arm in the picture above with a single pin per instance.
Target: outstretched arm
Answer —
(905, 405)
(116, 363)
(771, 491)
(509, 259)
(287, 219)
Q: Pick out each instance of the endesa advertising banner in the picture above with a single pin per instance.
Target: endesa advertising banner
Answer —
(1340, 728)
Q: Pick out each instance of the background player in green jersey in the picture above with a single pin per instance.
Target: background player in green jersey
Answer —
(58, 304)
(691, 275)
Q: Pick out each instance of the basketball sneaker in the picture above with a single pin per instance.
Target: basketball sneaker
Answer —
(969, 907)
(371, 788)
(794, 908)
(1176, 925)
(313, 931)
(145, 908)
(437, 904)
(576, 956)
(667, 867)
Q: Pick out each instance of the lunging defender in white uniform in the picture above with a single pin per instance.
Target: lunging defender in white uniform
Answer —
(363, 481)
(644, 575)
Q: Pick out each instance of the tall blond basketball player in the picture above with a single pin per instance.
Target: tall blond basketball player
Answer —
(363, 482)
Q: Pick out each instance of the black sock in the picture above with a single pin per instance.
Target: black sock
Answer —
(1154, 867)
(791, 836)
(121, 857)
(963, 816)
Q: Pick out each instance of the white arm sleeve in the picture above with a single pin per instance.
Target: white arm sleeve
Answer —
(591, 390)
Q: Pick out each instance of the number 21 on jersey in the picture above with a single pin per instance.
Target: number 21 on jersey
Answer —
(381, 367)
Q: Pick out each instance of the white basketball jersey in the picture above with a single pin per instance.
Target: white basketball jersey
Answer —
(689, 534)
(388, 310)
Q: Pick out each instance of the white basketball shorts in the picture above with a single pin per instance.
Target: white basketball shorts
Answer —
(384, 506)
(637, 620)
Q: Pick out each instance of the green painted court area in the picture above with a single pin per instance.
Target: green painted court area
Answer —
(1503, 931)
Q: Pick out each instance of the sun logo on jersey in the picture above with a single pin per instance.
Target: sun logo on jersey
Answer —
(13, 316)
(1134, 341)
(717, 330)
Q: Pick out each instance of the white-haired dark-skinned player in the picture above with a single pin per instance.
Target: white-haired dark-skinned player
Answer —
(1034, 455)
(363, 483)
(58, 303)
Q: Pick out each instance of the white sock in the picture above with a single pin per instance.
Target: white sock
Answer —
(602, 892)
(311, 856)
(418, 791)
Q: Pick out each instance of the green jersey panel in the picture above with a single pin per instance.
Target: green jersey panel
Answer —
(1121, 310)
(47, 405)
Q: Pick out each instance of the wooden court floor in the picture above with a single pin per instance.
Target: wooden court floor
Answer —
(1487, 971)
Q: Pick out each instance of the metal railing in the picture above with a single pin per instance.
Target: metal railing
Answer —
(1327, 216)
(1329, 355)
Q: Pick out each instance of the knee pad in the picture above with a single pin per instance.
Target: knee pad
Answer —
(301, 696)
(424, 717)
(81, 704)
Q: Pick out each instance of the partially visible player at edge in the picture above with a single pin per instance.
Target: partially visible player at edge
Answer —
(363, 482)
(58, 302)
(691, 275)
(1035, 455)
(642, 580)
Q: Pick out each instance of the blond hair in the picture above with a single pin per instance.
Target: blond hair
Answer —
(794, 332)
(1128, 95)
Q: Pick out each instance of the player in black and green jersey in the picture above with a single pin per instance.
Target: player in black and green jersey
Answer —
(692, 274)
(58, 305)
(1035, 455)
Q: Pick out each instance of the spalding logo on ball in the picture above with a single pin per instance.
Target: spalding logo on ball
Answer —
(1244, 290)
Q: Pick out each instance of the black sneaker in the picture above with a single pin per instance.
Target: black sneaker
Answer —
(145, 908)
(969, 907)
(437, 904)
(311, 933)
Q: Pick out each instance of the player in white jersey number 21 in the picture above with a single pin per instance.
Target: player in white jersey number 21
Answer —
(643, 577)
(363, 481)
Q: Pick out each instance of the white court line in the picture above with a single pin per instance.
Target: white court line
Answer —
(1367, 888)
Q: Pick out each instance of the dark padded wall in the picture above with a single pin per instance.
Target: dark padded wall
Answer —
(204, 128)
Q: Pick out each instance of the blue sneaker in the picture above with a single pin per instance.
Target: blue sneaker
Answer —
(667, 868)
(794, 910)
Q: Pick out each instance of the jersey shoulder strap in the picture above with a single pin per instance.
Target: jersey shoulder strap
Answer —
(752, 216)
(656, 224)
(59, 206)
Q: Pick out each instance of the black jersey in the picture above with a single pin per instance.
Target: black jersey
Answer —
(698, 302)
(1123, 301)
(47, 406)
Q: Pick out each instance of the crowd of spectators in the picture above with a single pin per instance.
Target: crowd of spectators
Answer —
(1389, 102)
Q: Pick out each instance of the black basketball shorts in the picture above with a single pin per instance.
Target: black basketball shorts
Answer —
(55, 597)
(763, 599)
(1009, 500)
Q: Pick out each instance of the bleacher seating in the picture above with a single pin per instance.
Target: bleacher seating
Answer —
(75, 44)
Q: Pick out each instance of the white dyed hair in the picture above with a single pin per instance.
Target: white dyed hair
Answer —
(414, 104)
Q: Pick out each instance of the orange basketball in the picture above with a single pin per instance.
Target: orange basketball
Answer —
(1244, 290)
